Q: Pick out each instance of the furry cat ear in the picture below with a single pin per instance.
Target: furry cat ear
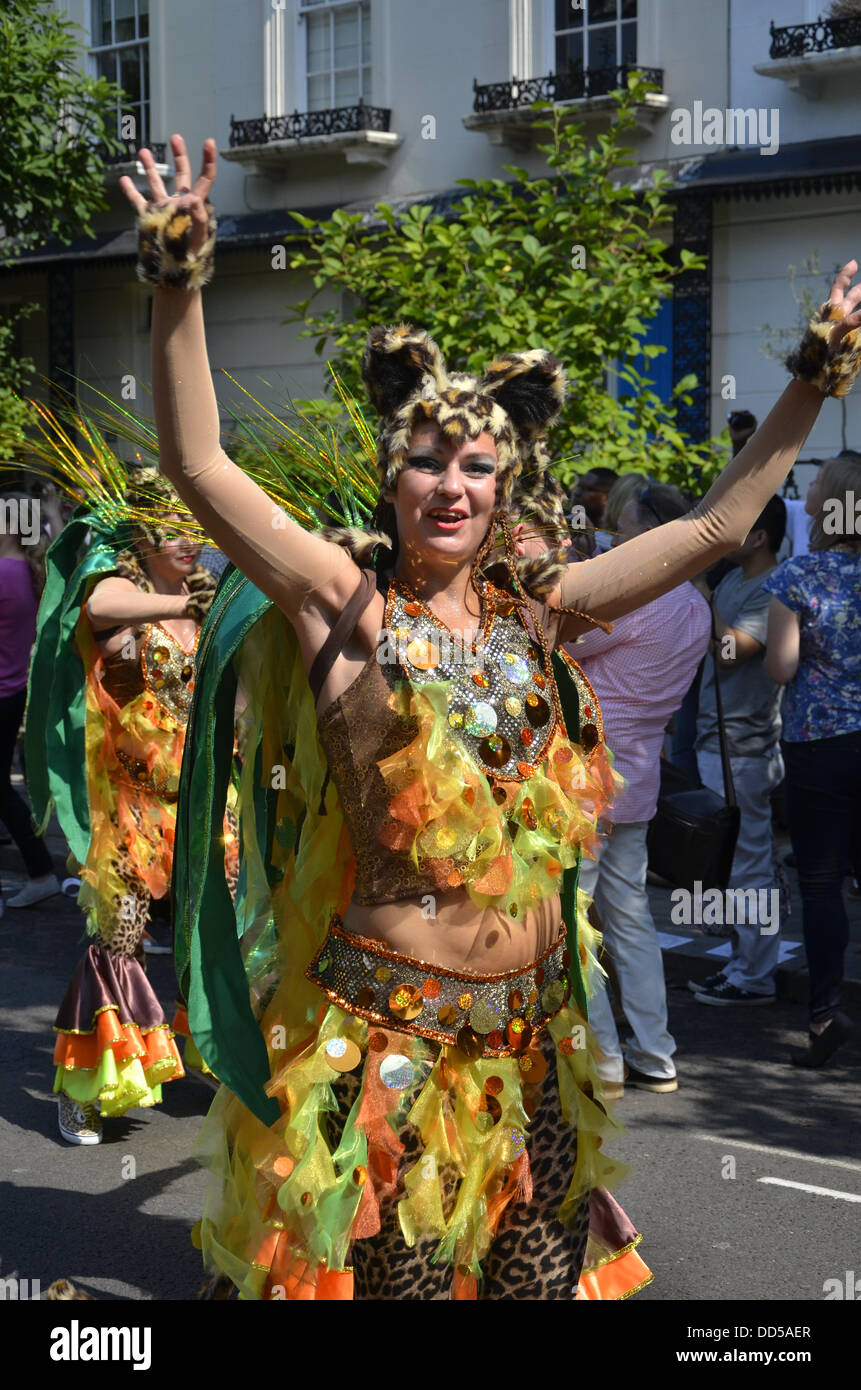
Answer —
(394, 363)
(530, 387)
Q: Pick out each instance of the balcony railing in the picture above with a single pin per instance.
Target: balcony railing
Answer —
(560, 86)
(125, 156)
(821, 36)
(304, 125)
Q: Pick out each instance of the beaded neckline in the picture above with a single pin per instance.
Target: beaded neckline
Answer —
(502, 698)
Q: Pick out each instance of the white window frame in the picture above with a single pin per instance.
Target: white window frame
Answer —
(144, 137)
(549, 28)
(304, 9)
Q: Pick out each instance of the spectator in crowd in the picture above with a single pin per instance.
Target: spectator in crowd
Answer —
(588, 496)
(639, 672)
(19, 600)
(814, 649)
(627, 486)
(751, 706)
(683, 736)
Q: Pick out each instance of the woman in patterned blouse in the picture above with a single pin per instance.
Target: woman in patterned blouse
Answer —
(814, 649)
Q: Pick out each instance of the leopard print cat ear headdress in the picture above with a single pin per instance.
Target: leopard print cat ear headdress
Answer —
(515, 400)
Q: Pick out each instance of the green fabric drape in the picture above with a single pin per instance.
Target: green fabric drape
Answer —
(56, 693)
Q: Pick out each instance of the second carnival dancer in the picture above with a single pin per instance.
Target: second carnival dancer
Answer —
(403, 980)
(110, 687)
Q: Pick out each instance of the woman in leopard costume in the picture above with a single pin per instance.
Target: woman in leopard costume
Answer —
(134, 634)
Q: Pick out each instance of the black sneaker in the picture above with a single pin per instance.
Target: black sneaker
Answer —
(708, 983)
(725, 993)
(660, 1085)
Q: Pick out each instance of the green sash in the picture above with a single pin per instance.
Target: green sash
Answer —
(56, 695)
(209, 962)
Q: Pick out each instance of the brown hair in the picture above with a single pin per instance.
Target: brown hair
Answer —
(837, 478)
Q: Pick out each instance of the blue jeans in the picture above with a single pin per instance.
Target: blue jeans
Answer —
(755, 944)
(823, 794)
(617, 884)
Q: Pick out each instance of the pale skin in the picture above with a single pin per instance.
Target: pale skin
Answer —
(311, 580)
(115, 601)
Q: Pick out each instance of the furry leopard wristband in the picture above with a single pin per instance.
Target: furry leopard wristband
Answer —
(832, 370)
(201, 591)
(164, 257)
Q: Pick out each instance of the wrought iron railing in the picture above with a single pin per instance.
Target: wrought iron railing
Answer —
(125, 156)
(339, 120)
(794, 40)
(558, 86)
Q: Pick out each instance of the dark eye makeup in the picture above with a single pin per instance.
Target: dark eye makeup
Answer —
(428, 460)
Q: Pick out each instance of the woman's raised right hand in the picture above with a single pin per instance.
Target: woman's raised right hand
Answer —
(186, 196)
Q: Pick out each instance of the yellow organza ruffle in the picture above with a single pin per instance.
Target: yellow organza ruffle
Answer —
(443, 813)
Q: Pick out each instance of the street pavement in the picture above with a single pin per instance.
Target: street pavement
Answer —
(746, 1183)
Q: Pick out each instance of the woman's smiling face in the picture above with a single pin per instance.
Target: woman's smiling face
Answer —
(445, 495)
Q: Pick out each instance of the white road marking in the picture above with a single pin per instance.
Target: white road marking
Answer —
(779, 1153)
(667, 940)
(808, 1187)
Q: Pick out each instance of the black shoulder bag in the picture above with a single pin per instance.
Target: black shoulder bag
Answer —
(692, 838)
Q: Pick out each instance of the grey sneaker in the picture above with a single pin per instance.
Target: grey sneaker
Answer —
(35, 890)
(78, 1124)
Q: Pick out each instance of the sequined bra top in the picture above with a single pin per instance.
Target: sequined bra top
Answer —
(452, 763)
(163, 667)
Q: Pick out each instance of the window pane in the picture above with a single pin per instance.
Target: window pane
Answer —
(629, 42)
(144, 127)
(106, 66)
(602, 47)
(346, 88)
(629, 9)
(101, 22)
(367, 88)
(566, 16)
(366, 33)
(318, 93)
(569, 53)
(600, 10)
(143, 18)
(124, 14)
(346, 38)
(318, 43)
(130, 73)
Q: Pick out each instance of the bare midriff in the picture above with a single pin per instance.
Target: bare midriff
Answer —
(462, 936)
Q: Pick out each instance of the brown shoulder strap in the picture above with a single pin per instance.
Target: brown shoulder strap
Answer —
(342, 631)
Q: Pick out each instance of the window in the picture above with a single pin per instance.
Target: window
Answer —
(120, 51)
(337, 53)
(594, 34)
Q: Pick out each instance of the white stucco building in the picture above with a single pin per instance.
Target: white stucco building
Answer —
(317, 104)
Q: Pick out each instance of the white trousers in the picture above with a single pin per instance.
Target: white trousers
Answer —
(617, 883)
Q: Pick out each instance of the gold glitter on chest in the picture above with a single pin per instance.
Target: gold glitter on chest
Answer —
(502, 702)
(168, 670)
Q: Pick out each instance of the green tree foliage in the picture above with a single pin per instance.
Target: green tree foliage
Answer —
(53, 119)
(574, 261)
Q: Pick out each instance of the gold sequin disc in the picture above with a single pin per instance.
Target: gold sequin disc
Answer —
(406, 1002)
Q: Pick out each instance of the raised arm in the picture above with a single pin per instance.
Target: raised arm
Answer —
(281, 558)
(115, 601)
(633, 574)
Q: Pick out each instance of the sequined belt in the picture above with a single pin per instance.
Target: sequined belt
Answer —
(139, 773)
(481, 1015)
